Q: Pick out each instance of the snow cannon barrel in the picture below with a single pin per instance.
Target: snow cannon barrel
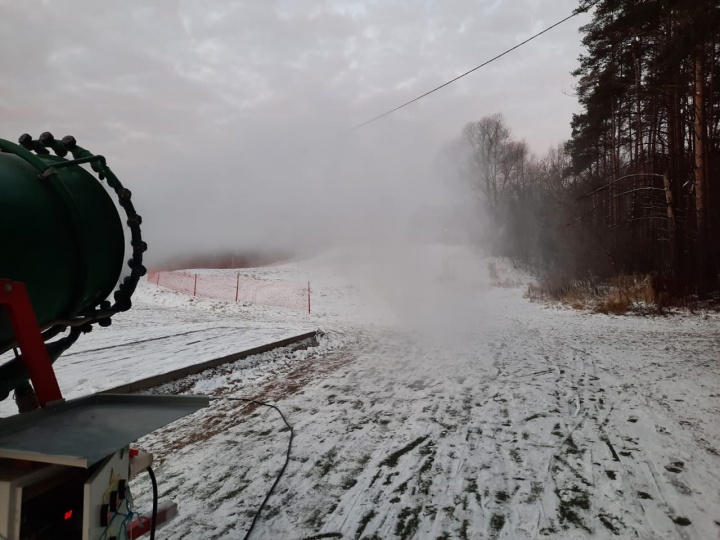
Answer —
(61, 234)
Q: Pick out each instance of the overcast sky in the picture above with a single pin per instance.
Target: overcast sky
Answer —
(230, 120)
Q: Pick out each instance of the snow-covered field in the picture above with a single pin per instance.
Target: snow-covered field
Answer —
(436, 405)
(163, 331)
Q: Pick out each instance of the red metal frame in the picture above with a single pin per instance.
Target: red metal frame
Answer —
(14, 298)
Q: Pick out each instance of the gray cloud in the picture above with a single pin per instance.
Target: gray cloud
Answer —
(230, 120)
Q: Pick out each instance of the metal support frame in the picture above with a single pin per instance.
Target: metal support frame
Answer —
(16, 301)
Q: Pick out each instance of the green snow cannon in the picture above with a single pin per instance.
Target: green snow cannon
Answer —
(62, 236)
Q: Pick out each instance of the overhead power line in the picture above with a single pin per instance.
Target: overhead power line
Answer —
(528, 40)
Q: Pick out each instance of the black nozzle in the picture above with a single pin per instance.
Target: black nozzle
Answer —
(105, 322)
(134, 220)
(46, 139)
(26, 141)
(69, 142)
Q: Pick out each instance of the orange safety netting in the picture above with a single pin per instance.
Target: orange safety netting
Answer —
(234, 287)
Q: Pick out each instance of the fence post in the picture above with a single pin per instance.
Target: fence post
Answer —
(308, 297)
(195, 288)
(158, 279)
(237, 287)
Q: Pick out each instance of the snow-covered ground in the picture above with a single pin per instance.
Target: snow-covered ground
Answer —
(439, 406)
(164, 331)
(436, 405)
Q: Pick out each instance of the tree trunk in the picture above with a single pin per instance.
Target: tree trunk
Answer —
(700, 168)
(672, 229)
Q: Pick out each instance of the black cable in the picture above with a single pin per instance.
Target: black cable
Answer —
(528, 40)
(153, 519)
(287, 456)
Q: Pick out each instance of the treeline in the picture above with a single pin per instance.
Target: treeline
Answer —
(225, 260)
(636, 188)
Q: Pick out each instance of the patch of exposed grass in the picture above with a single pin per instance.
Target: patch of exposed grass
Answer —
(572, 448)
(326, 462)
(367, 518)
(616, 303)
(425, 483)
(611, 523)
(619, 295)
(535, 491)
(315, 519)
(497, 522)
(464, 530)
(427, 449)
(427, 465)
(402, 488)
(408, 522)
(573, 470)
(448, 427)
(501, 496)
(376, 477)
(549, 531)
(472, 487)
(348, 482)
(272, 511)
(389, 478)
(570, 500)
(392, 459)
(233, 493)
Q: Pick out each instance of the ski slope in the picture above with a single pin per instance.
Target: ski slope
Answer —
(439, 406)
(436, 405)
